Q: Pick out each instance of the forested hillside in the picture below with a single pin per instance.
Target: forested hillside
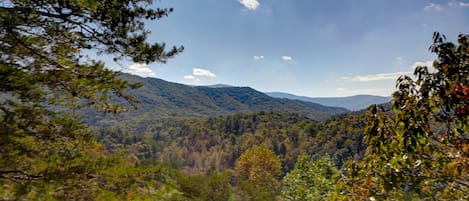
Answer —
(201, 145)
(159, 98)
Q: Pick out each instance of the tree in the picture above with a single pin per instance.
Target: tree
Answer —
(257, 170)
(421, 149)
(212, 187)
(44, 46)
(259, 165)
(310, 179)
(218, 185)
(44, 69)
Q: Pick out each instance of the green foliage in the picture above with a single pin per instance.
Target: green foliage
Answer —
(89, 175)
(202, 145)
(421, 150)
(213, 187)
(310, 179)
(340, 137)
(46, 154)
(219, 187)
(246, 190)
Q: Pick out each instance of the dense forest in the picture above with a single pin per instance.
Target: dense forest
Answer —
(64, 133)
(202, 145)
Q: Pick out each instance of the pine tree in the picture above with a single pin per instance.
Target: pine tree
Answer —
(44, 69)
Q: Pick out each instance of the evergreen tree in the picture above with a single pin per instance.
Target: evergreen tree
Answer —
(44, 67)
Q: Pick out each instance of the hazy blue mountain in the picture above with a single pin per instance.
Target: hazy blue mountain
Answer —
(161, 98)
(353, 103)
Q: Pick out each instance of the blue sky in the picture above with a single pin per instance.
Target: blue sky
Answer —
(305, 47)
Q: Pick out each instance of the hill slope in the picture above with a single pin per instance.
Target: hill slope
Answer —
(353, 103)
(214, 143)
(159, 97)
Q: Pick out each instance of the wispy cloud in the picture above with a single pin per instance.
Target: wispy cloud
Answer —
(433, 7)
(400, 60)
(202, 72)
(441, 7)
(250, 4)
(140, 69)
(287, 58)
(258, 57)
(340, 89)
(375, 77)
(458, 4)
(192, 78)
(388, 76)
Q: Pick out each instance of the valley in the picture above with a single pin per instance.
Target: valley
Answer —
(207, 128)
(86, 112)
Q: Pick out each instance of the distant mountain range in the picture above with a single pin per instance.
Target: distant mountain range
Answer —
(353, 103)
(161, 98)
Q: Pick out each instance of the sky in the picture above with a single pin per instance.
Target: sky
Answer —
(330, 48)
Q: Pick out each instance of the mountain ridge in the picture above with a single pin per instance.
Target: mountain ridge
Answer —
(353, 103)
(162, 98)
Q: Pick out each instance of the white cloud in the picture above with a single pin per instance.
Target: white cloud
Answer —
(189, 77)
(250, 4)
(258, 57)
(140, 69)
(458, 4)
(287, 58)
(202, 72)
(428, 64)
(192, 78)
(197, 73)
(375, 77)
(340, 89)
(439, 7)
(433, 7)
